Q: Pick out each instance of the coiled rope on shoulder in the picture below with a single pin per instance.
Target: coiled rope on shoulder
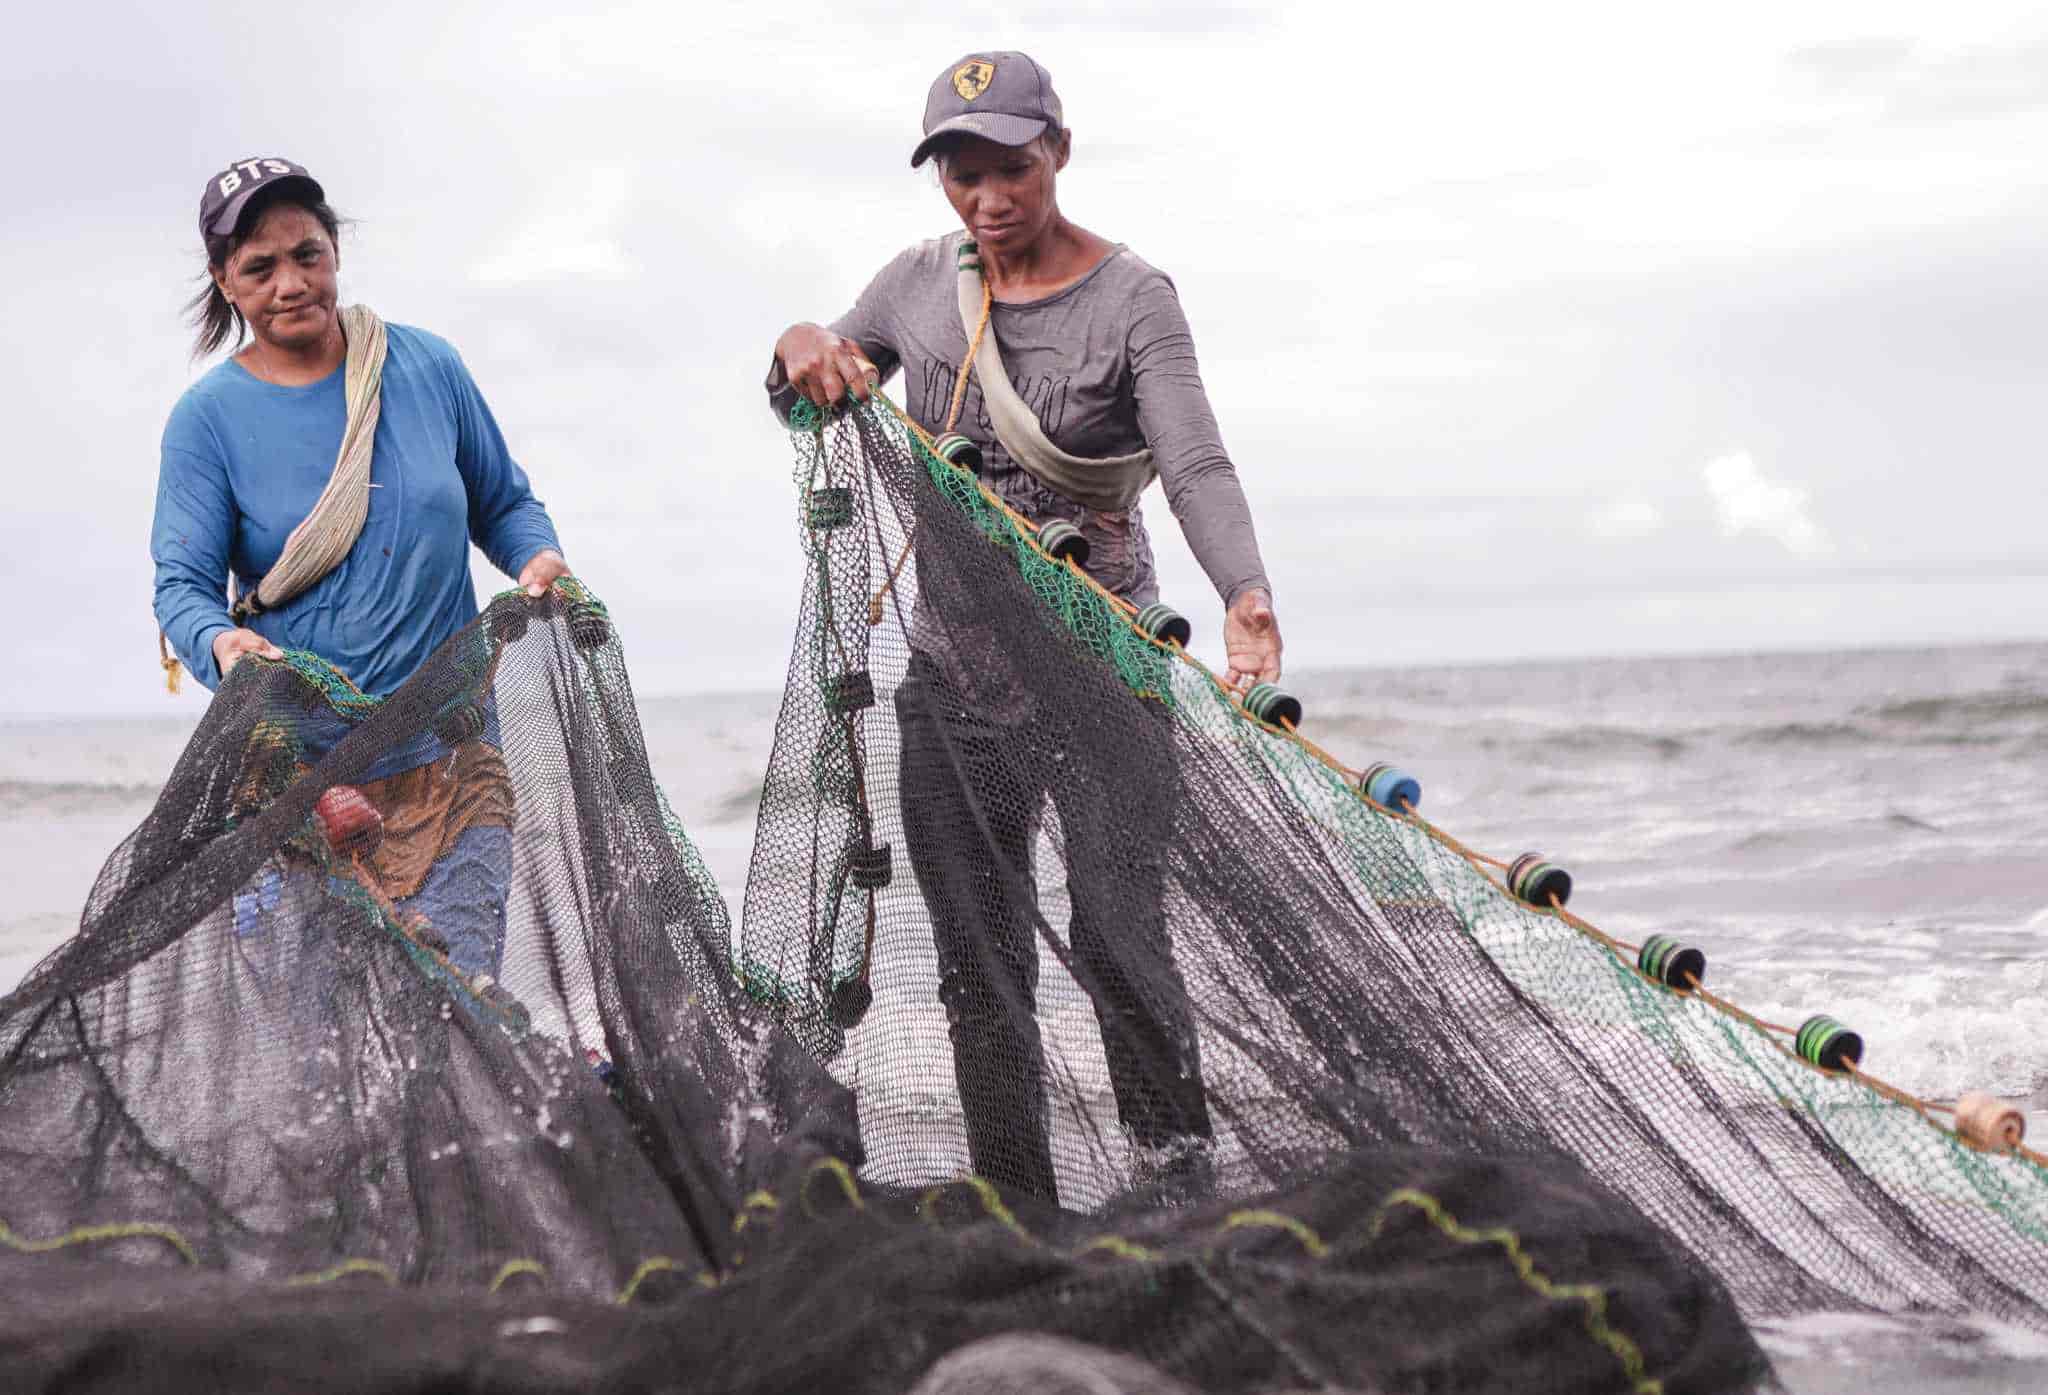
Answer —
(325, 535)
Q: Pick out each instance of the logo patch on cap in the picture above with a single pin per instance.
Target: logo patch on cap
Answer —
(972, 78)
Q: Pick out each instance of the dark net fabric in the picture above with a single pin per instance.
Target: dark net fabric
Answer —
(1066, 1003)
(1130, 951)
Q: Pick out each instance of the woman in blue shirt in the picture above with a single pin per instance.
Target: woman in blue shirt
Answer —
(246, 454)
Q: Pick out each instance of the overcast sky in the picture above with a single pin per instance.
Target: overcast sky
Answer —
(1532, 329)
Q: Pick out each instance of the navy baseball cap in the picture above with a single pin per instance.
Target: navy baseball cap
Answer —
(1003, 97)
(229, 192)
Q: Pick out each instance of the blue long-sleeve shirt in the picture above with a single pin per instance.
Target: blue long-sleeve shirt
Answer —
(244, 461)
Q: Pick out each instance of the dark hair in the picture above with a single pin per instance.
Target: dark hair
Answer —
(950, 144)
(217, 320)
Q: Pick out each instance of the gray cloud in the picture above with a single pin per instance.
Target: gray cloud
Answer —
(1475, 322)
(1914, 84)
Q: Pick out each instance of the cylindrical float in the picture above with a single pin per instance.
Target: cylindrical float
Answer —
(850, 692)
(349, 821)
(1988, 1123)
(849, 1001)
(829, 508)
(1273, 706)
(514, 1012)
(1827, 1043)
(1535, 881)
(588, 628)
(508, 620)
(1165, 624)
(1389, 786)
(869, 868)
(463, 722)
(1670, 963)
(1063, 542)
(955, 449)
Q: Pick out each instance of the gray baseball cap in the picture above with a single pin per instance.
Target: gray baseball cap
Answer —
(229, 192)
(1003, 97)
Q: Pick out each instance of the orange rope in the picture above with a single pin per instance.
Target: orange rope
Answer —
(1892, 1093)
(988, 302)
(1733, 1011)
(875, 601)
(1477, 858)
(169, 661)
(1569, 919)
(1585, 929)
(1324, 756)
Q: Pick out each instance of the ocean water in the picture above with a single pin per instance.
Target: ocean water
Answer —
(1863, 834)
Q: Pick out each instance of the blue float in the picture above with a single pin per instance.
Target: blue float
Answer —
(1390, 787)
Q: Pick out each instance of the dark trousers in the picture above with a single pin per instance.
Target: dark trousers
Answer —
(972, 794)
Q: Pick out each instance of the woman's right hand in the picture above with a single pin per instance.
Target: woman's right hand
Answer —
(823, 366)
(231, 645)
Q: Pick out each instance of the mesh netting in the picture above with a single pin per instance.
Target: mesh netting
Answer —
(1135, 939)
(1068, 1000)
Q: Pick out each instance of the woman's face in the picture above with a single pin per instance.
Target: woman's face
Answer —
(282, 278)
(1003, 193)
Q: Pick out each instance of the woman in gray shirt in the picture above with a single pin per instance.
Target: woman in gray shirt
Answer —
(1095, 343)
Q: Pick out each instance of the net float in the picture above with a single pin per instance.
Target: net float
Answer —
(588, 627)
(829, 508)
(1063, 542)
(1165, 624)
(1389, 786)
(955, 449)
(463, 722)
(849, 1002)
(1273, 706)
(349, 821)
(850, 692)
(1988, 1123)
(869, 868)
(1670, 963)
(1537, 882)
(1826, 1043)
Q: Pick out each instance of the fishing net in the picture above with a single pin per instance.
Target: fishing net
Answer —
(1141, 941)
(1069, 1001)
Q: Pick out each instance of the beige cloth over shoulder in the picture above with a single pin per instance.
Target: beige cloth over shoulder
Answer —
(1109, 485)
(325, 535)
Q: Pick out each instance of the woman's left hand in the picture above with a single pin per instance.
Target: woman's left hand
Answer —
(544, 569)
(1251, 637)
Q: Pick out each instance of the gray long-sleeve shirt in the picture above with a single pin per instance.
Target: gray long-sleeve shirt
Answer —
(1108, 365)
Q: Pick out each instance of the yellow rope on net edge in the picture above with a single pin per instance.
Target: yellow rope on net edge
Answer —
(1261, 1218)
(512, 1268)
(344, 1270)
(1594, 1298)
(660, 1264)
(94, 1234)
